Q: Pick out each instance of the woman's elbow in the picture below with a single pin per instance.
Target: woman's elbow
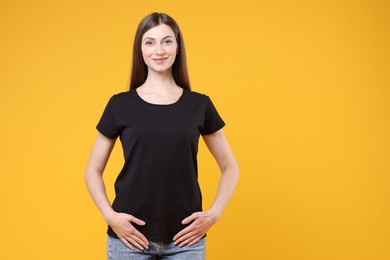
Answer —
(232, 168)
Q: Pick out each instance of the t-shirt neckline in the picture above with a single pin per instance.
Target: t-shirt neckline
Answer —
(161, 105)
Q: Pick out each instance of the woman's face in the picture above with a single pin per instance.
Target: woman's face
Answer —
(159, 48)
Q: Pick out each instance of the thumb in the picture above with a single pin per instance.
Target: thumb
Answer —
(136, 220)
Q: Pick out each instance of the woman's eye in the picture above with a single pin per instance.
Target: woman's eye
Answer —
(168, 42)
(149, 43)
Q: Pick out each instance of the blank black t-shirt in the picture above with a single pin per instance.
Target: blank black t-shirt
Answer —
(159, 179)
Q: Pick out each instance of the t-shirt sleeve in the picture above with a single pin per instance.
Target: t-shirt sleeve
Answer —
(212, 120)
(107, 124)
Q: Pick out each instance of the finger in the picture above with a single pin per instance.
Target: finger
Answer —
(190, 218)
(140, 241)
(183, 238)
(194, 241)
(135, 243)
(141, 237)
(187, 241)
(137, 221)
(182, 233)
(124, 241)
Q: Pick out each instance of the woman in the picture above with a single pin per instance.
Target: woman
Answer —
(157, 211)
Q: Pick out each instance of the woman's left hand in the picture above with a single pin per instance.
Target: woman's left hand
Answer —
(202, 222)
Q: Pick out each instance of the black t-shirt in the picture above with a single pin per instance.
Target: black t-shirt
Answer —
(159, 179)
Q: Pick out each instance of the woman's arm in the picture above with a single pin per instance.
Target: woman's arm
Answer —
(203, 221)
(119, 222)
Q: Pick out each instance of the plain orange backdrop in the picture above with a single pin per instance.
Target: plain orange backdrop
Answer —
(302, 85)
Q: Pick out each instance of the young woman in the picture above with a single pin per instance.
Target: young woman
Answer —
(157, 212)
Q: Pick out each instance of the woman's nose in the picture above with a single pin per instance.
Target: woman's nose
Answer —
(159, 49)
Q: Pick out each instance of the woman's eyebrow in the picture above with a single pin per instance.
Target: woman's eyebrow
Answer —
(151, 38)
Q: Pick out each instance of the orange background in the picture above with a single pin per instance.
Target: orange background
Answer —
(302, 85)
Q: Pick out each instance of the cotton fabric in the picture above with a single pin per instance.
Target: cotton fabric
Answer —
(159, 179)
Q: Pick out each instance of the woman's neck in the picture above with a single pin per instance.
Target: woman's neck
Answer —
(159, 82)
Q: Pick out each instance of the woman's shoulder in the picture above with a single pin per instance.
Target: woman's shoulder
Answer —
(200, 97)
(121, 96)
(120, 99)
(197, 95)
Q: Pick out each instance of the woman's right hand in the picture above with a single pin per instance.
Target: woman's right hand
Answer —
(126, 232)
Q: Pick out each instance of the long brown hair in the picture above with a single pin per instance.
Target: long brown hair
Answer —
(139, 70)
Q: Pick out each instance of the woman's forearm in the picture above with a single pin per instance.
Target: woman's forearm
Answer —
(93, 174)
(220, 149)
(97, 190)
(226, 187)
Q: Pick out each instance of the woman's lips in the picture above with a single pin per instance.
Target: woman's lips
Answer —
(160, 60)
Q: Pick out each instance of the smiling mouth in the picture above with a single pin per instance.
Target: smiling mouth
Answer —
(161, 60)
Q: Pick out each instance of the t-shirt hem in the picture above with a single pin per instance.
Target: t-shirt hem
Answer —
(105, 133)
(151, 238)
(213, 130)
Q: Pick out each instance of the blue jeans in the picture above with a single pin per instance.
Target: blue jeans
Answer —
(116, 250)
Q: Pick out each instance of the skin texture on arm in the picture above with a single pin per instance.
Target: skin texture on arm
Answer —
(203, 221)
(119, 222)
